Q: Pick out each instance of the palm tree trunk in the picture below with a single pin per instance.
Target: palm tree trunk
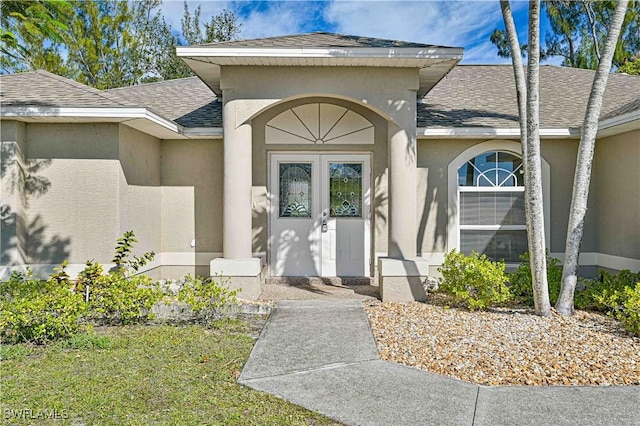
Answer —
(584, 163)
(528, 108)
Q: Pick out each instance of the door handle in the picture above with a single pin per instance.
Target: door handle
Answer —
(325, 228)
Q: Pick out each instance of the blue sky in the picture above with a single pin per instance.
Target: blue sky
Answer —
(453, 23)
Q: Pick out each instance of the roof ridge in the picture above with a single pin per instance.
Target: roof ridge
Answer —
(347, 38)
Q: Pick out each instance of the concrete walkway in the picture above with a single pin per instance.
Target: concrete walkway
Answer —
(320, 354)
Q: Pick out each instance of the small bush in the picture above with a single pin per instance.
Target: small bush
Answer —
(117, 299)
(205, 297)
(629, 315)
(521, 286)
(36, 311)
(474, 281)
(601, 295)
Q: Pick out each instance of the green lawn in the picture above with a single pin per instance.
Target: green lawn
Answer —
(141, 375)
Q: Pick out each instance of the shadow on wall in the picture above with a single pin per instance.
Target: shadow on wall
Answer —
(380, 201)
(25, 181)
(435, 204)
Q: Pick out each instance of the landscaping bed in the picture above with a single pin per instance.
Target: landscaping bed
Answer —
(506, 346)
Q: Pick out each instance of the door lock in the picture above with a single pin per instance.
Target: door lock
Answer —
(325, 228)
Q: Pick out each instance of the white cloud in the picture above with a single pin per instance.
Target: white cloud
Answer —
(452, 23)
(281, 18)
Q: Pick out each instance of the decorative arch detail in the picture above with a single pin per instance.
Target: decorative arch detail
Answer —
(319, 123)
(453, 226)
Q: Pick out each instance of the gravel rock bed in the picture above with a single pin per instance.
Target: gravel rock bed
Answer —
(506, 346)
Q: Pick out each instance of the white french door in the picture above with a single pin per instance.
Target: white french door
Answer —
(320, 215)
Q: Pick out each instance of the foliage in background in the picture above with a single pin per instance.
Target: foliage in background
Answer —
(103, 43)
(631, 67)
(474, 281)
(520, 280)
(206, 297)
(578, 31)
(23, 24)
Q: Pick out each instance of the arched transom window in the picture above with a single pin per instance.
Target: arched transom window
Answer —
(491, 206)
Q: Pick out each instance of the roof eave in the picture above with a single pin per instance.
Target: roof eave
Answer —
(139, 118)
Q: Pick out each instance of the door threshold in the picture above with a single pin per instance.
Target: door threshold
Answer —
(333, 281)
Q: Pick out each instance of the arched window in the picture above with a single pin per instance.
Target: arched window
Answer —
(491, 206)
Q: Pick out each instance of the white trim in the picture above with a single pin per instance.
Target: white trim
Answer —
(119, 114)
(494, 132)
(603, 260)
(308, 52)
(212, 132)
(619, 120)
(160, 259)
(453, 226)
(91, 112)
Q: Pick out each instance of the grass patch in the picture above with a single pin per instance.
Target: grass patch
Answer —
(140, 375)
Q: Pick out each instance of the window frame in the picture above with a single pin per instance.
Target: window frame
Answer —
(454, 227)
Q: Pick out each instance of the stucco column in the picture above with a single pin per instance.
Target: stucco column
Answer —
(402, 191)
(236, 234)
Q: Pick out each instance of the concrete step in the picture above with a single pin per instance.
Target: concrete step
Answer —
(333, 281)
(310, 288)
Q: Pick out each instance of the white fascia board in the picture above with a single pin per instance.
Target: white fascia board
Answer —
(203, 132)
(483, 132)
(370, 52)
(123, 113)
(619, 120)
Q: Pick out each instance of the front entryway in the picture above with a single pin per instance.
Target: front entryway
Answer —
(320, 215)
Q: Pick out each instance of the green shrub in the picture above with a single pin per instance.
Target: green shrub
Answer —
(206, 297)
(521, 286)
(474, 281)
(630, 312)
(117, 299)
(618, 295)
(602, 294)
(124, 245)
(36, 311)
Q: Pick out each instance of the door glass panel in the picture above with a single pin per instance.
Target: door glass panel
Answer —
(345, 189)
(295, 190)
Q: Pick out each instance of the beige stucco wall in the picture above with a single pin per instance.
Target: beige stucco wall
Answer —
(77, 216)
(139, 188)
(192, 179)
(259, 87)
(434, 157)
(618, 189)
(92, 182)
(12, 196)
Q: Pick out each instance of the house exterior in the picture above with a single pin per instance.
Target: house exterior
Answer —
(309, 155)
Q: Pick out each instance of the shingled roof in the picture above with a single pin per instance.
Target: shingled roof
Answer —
(469, 96)
(42, 88)
(319, 40)
(484, 96)
(187, 101)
